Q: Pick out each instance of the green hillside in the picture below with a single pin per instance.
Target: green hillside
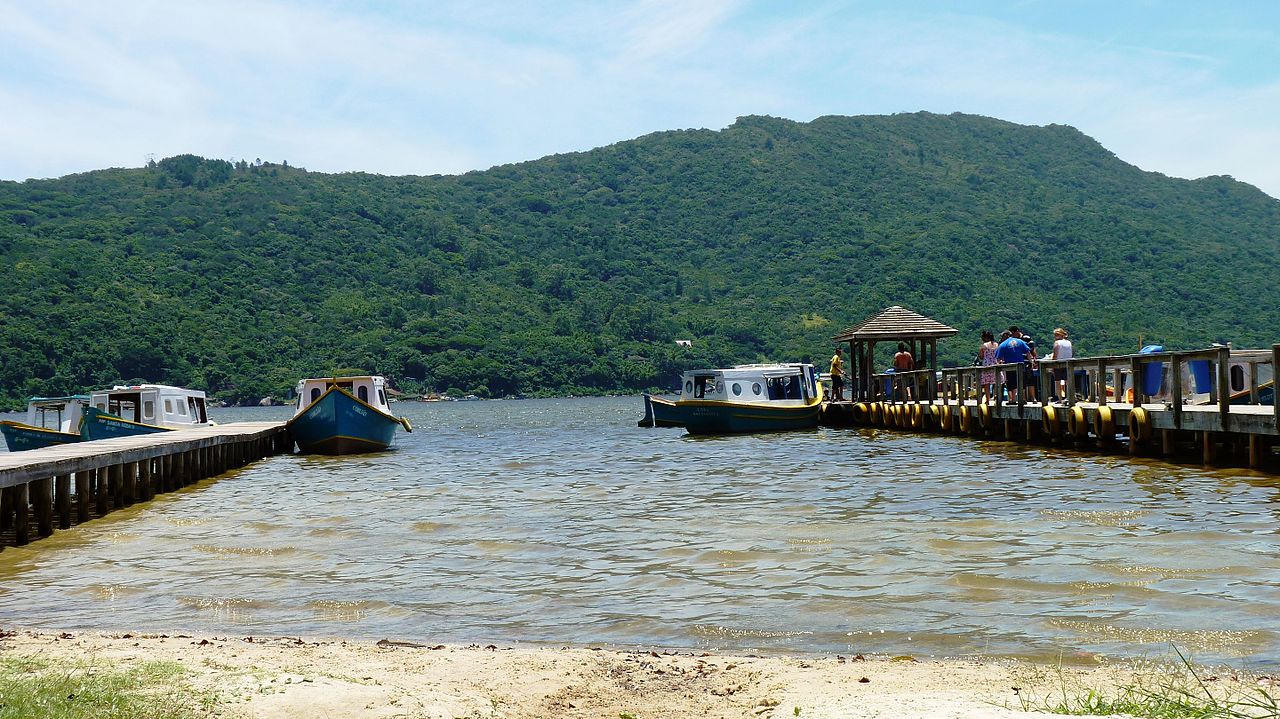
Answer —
(575, 273)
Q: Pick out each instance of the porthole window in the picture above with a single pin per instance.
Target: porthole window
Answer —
(688, 387)
(1237, 378)
(755, 388)
(719, 386)
(737, 389)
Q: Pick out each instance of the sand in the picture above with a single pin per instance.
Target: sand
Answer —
(284, 678)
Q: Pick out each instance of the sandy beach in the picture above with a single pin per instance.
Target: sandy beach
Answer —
(284, 678)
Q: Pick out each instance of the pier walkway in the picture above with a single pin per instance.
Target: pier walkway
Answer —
(1223, 410)
(77, 482)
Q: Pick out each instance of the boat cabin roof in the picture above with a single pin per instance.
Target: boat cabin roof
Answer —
(753, 370)
(162, 389)
(51, 401)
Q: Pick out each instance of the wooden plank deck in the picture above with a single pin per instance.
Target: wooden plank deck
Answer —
(22, 467)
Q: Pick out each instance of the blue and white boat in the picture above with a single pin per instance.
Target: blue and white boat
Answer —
(128, 410)
(746, 398)
(50, 421)
(344, 415)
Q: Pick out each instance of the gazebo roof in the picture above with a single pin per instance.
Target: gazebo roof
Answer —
(896, 323)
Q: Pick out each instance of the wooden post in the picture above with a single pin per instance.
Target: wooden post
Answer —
(21, 532)
(1206, 438)
(1253, 382)
(145, 491)
(128, 482)
(104, 483)
(1275, 382)
(1224, 386)
(43, 502)
(84, 486)
(1167, 447)
(1176, 367)
(62, 500)
(6, 507)
(1135, 379)
(1255, 451)
(1102, 383)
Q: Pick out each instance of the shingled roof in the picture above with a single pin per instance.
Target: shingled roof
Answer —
(895, 323)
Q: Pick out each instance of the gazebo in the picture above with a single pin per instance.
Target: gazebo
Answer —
(894, 324)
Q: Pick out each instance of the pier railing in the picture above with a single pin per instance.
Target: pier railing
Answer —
(1119, 379)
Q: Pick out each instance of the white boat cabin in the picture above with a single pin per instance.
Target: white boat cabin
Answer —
(371, 389)
(777, 383)
(158, 405)
(57, 413)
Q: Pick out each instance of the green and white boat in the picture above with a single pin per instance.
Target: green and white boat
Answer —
(745, 398)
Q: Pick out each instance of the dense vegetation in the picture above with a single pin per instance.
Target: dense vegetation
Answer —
(576, 273)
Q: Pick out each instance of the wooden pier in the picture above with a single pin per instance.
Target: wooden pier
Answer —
(73, 483)
(1105, 406)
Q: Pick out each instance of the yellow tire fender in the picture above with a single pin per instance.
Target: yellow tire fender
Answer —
(1104, 423)
(1139, 424)
(1076, 424)
(1050, 421)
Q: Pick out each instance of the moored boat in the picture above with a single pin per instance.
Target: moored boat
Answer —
(128, 410)
(50, 421)
(746, 398)
(344, 415)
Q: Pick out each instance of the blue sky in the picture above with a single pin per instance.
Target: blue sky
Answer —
(1184, 88)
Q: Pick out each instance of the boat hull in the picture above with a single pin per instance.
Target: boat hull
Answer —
(713, 417)
(660, 412)
(20, 437)
(97, 424)
(338, 423)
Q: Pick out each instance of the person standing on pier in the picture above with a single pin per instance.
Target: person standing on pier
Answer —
(1062, 350)
(987, 357)
(837, 376)
(904, 362)
(1012, 351)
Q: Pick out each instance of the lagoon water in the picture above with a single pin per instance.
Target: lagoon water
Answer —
(560, 522)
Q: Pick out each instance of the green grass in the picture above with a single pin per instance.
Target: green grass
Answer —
(33, 687)
(1179, 694)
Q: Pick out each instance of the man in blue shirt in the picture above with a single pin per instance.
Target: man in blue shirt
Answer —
(1012, 351)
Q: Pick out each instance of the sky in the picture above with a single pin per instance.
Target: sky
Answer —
(1188, 89)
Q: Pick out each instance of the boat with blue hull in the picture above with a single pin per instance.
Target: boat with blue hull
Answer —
(129, 410)
(746, 398)
(344, 415)
(50, 421)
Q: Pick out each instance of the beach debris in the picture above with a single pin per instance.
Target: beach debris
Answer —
(396, 643)
(864, 680)
(859, 658)
(904, 658)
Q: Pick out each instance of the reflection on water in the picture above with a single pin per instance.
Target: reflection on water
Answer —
(560, 521)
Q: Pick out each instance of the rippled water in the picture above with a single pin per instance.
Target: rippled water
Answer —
(561, 522)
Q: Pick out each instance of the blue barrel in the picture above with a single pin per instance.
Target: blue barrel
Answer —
(888, 383)
(1152, 372)
(1201, 374)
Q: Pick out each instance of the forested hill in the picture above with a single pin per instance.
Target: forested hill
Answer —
(576, 273)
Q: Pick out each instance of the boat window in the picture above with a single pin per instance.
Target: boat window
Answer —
(149, 409)
(364, 393)
(182, 409)
(168, 406)
(688, 387)
(755, 389)
(1237, 378)
(737, 389)
(102, 406)
(382, 397)
(783, 387)
(702, 385)
(315, 393)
